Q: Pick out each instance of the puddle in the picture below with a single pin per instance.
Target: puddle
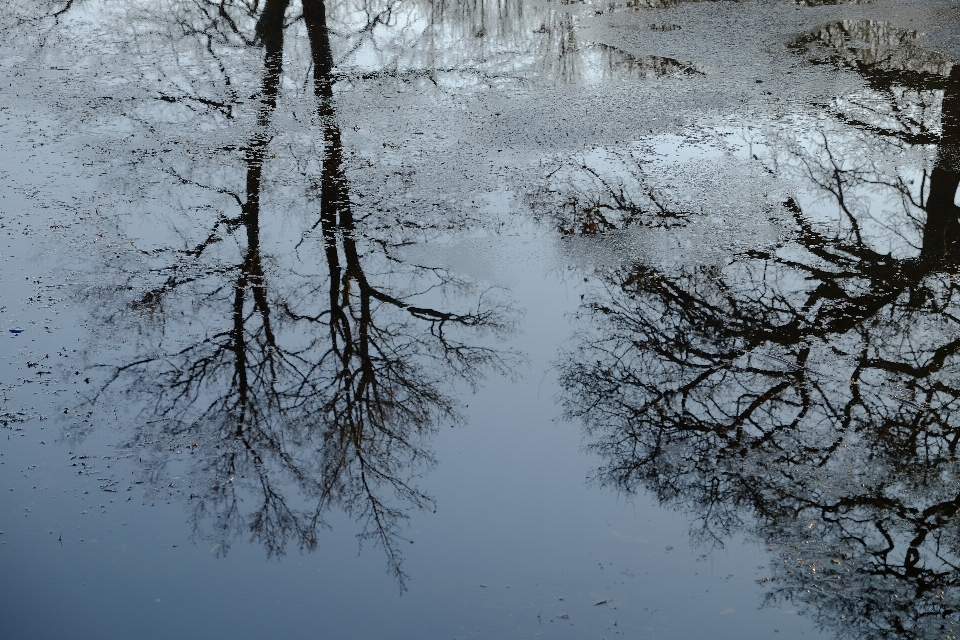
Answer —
(493, 319)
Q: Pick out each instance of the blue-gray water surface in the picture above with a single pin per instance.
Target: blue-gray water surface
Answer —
(479, 319)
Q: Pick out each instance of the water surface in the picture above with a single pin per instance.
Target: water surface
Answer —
(403, 319)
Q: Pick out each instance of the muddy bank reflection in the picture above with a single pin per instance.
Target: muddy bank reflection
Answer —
(803, 392)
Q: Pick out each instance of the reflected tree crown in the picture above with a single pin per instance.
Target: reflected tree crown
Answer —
(805, 393)
(287, 362)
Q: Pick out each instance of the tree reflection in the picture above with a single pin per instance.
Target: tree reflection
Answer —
(511, 43)
(280, 387)
(282, 347)
(907, 83)
(805, 393)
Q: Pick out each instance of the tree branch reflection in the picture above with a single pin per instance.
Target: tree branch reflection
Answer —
(314, 383)
(806, 393)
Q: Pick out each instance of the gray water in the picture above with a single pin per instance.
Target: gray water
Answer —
(412, 319)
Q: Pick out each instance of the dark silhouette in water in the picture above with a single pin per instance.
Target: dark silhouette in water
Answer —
(806, 394)
(321, 390)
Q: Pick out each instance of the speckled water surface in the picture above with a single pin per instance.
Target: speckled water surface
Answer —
(479, 319)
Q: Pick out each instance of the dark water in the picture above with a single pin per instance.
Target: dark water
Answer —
(412, 319)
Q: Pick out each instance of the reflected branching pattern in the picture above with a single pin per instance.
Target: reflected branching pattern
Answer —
(905, 81)
(901, 109)
(606, 192)
(287, 361)
(491, 43)
(806, 393)
(281, 383)
(908, 84)
(504, 44)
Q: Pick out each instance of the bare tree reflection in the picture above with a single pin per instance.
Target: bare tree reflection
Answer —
(908, 83)
(805, 394)
(310, 385)
(309, 377)
(513, 43)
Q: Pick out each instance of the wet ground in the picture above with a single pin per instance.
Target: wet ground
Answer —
(412, 319)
